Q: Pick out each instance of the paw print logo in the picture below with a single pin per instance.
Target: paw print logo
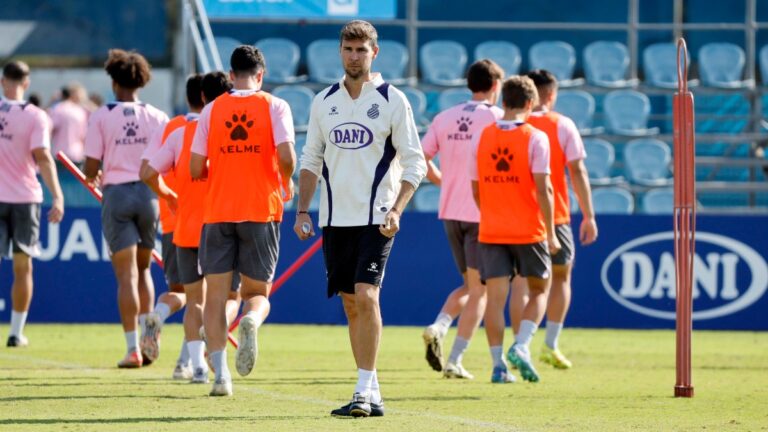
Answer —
(502, 158)
(239, 133)
(3, 124)
(130, 129)
(464, 123)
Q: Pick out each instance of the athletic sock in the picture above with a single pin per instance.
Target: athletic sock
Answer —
(132, 341)
(163, 311)
(443, 323)
(497, 355)
(219, 360)
(375, 391)
(197, 354)
(364, 380)
(525, 335)
(553, 333)
(18, 319)
(457, 352)
(183, 353)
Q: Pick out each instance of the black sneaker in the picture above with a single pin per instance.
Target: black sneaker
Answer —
(17, 341)
(360, 406)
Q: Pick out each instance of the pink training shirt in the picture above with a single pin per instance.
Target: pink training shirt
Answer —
(23, 128)
(569, 137)
(538, 149)
(117, 134)
(279, 112)
(70, 123)
(449, 137)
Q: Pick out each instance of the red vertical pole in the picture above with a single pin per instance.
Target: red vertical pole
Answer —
(684, 220)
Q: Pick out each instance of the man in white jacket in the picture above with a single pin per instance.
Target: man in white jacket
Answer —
(363, 145)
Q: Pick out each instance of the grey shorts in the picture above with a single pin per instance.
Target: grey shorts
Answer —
(504, 260)
(129, 214)
(250, 248)
(189, 267)
(20, 228)
(462, 236)
(565, 255)
(170, 263)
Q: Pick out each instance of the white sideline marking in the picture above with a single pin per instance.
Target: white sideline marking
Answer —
(277, 395)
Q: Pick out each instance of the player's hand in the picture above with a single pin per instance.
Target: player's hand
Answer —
(391, 224)
(173, 201)
(303, 226)
(554, 244)
(288, 190)
(95, 181)
(56, 213)
(588, 231)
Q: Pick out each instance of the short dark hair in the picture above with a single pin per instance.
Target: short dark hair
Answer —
(215, 84)
(482, 74)
(247, 60)
(65, 93)
(517, 90)
(35, 99)
(194, 89)
(128, 69)
(544, 80)
(16, 71)
(359, 30)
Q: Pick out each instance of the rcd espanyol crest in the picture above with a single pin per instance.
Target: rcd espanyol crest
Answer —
(373, 113)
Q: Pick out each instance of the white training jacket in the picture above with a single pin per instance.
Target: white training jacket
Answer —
(361, 150)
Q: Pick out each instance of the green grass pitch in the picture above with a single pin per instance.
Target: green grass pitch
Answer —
(622, 380)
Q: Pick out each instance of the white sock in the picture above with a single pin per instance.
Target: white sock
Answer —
(364, 379)
(219, 360)
(553, 333)
(163, 311)
(525, 335)
(17, 323)
(459, 346)
(132, 340)
(497, 355)
(375, 391)
(143, 323)
(443, 322)
(197, 354)
(183, 354)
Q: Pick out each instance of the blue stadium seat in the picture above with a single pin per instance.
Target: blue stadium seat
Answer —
(505, 54)
(443, 62)
(627, 112)
(225, 45)
(659, 201)
(298, 147)
(660, 66)
(613, 200)
(557, 57)
(580, 107)
(300, 99)
(392, 61)
(599, 161)
(722, 65)
(764, 64)
(282, 56)
(451, 97)
(323, 61)
(606, 64)
(418, 102)
(427, 199)
(647, 162)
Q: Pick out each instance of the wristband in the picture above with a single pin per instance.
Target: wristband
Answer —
(298, 212)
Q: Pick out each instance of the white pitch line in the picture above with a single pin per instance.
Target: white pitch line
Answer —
(277, 395)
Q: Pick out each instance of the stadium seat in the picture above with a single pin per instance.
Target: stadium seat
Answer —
(647, 162)
(392, 61)
(418, 102)
(298, 147)
(660, 66)
(451, 97)
(606, 64)
(722, 65)
(443, 62)
(283, 57)
(427, 199)
(505, 54)
(627, 112)
(300, 99)
(599, 162)
(557, 57)
(764, 64)
(613, 200)
(580, 107)
(659, 201)
(323, 61)
(225, 45)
